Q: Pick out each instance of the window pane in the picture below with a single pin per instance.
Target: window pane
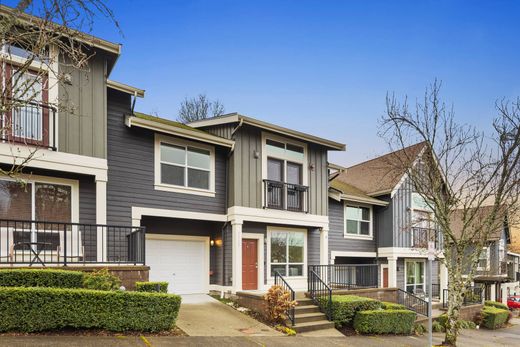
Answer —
(275, 170)
(296, 241)
(173, 154)
(410, 273)
(278, 247)
(295, 270)
(198, 178)
(279, 268)
(171, 174)
(364, 228)
(365, 213)
(352, 213)
(199, 158)
(15, 200)
(53, 202)
(275, 148)
(352, 226)
(419, 272)
(294, 152)
(294, 173)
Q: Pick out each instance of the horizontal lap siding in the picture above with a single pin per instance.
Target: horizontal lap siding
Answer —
(131, 171)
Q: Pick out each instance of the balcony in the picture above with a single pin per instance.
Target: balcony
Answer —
(30, 242)
(286, 196)
(29, 123)
(421, 236)
(494, 269)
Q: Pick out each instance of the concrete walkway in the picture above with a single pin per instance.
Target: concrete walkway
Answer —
(201, 315)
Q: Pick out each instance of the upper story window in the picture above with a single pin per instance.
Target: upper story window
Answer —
(358, 221)
(184, 166)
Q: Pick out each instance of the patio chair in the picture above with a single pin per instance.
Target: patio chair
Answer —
(9, 256)
(75, 249)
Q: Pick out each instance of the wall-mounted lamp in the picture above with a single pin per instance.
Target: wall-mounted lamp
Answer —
(256, 154)
(212, 243)
(311, 166)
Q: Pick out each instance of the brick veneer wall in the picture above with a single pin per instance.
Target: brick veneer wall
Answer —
(253, 301)
(128, 274)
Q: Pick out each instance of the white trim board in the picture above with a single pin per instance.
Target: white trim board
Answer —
(260, 256)
(403, 252)
(240, 214)
(138, 212)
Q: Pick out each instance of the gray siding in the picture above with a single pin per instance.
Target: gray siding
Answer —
(131, 171)
(225, 130)
(337, 241)
(401, 205)
(82, 121)
(318, 180)
(384, 223)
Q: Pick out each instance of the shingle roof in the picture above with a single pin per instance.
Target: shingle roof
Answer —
(355, 194)
(481, 216)
(380, 175)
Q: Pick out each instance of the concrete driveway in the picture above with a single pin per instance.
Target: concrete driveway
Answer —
(201, 315)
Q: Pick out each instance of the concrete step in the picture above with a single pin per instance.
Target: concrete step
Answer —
(312, 326)
(304, 301)
(309, 317)
(306, 309)
(300, 295)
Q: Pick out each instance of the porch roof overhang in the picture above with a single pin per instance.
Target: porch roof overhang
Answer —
(491, 279)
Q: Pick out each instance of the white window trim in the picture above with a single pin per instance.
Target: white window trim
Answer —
(406, 261)
(158, 185)
(274, 229)
(370, 236)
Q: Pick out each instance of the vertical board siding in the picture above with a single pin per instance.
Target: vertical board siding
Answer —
(383, 216)
(131, 171)
(313, 246)
(401, 205)
(228, 256)
(224, 130)
(83, 117)
(337, 240)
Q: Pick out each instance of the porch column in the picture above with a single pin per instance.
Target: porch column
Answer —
(392, 272)
(443, 279)
(101, 218)
(492, 292)
(236, 249)
(324, 246)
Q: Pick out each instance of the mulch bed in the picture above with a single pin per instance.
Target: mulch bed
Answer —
(96, 332)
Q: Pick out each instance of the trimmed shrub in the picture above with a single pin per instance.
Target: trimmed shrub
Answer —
(437, 327)
(442, 320)
(157, 287)
(344, 307)
(384, 322)
(496, 304)
(392, 306)
(41, 278)
(494, 318)
(101, 280)
(38, 309)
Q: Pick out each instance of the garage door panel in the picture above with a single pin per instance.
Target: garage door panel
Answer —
(181, 263)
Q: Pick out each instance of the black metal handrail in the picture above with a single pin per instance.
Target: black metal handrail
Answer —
(43, 242)
(320, 293)
(280, 281)
(436, 290)
(30, 123)
(421, 236)
(412, 302)
(472, 296)
(286, 196)
(347, 276)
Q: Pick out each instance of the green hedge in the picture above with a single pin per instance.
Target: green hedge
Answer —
(392, 306)
(384, 322)
(344, 307)
(159, 287)
(496, 304)
(494, 318)
(41, 278)
(38, 309)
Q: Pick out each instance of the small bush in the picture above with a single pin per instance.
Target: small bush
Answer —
(442, 320)
(384, 322)
(419, 329)
(496, 304)
(38, 309)
(157, 287)
(278, 302)
(392, 306)
(101, 280)
(494, 318)
(41, 278)
(344, 307)
(437, 327)
(467, 324)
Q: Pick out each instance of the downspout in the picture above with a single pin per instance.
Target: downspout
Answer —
(133, 102)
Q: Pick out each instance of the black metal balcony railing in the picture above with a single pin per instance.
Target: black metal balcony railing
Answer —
(421, 236)
(30, 242)
(494, 268)
(286, 196)
(472, 296)
(29, 123)
(347, 276)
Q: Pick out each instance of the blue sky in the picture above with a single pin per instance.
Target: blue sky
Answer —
(322, 67)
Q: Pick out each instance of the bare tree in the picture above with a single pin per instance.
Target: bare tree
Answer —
(469, 179)
(199, 107)
(38, 37)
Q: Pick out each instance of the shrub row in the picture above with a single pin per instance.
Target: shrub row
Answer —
(384, 321)
(158, 287)
(38, 309)
(344, 307)
(493, 317)
(41, 278)
(496, 304)
(392, 306)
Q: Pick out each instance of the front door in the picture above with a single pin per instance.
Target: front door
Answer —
(249, 264)
(385, 277)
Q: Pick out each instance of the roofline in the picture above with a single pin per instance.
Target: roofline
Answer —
(371, 201)
(336, 167)
(513, 254)
(83, 37)
(131, 121)
(125, 88)
(380, 192)
(235, 117)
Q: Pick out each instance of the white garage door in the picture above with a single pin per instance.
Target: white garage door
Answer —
(181, 263)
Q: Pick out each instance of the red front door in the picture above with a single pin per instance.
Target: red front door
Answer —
(249, 264)
(385, 277)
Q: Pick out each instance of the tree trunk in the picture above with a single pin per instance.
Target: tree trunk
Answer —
(455, 300)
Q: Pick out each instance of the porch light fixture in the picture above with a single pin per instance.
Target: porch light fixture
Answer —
(212, 243)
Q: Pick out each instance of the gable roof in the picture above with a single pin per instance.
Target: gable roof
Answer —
(351, 193)
(171, 127)
(381, 175)
(481, 215)
(238, 118)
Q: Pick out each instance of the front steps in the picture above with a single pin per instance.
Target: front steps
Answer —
(308, 317)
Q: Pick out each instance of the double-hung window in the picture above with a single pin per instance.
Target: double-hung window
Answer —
(287, 253)
(184, 165)
(358, 221)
